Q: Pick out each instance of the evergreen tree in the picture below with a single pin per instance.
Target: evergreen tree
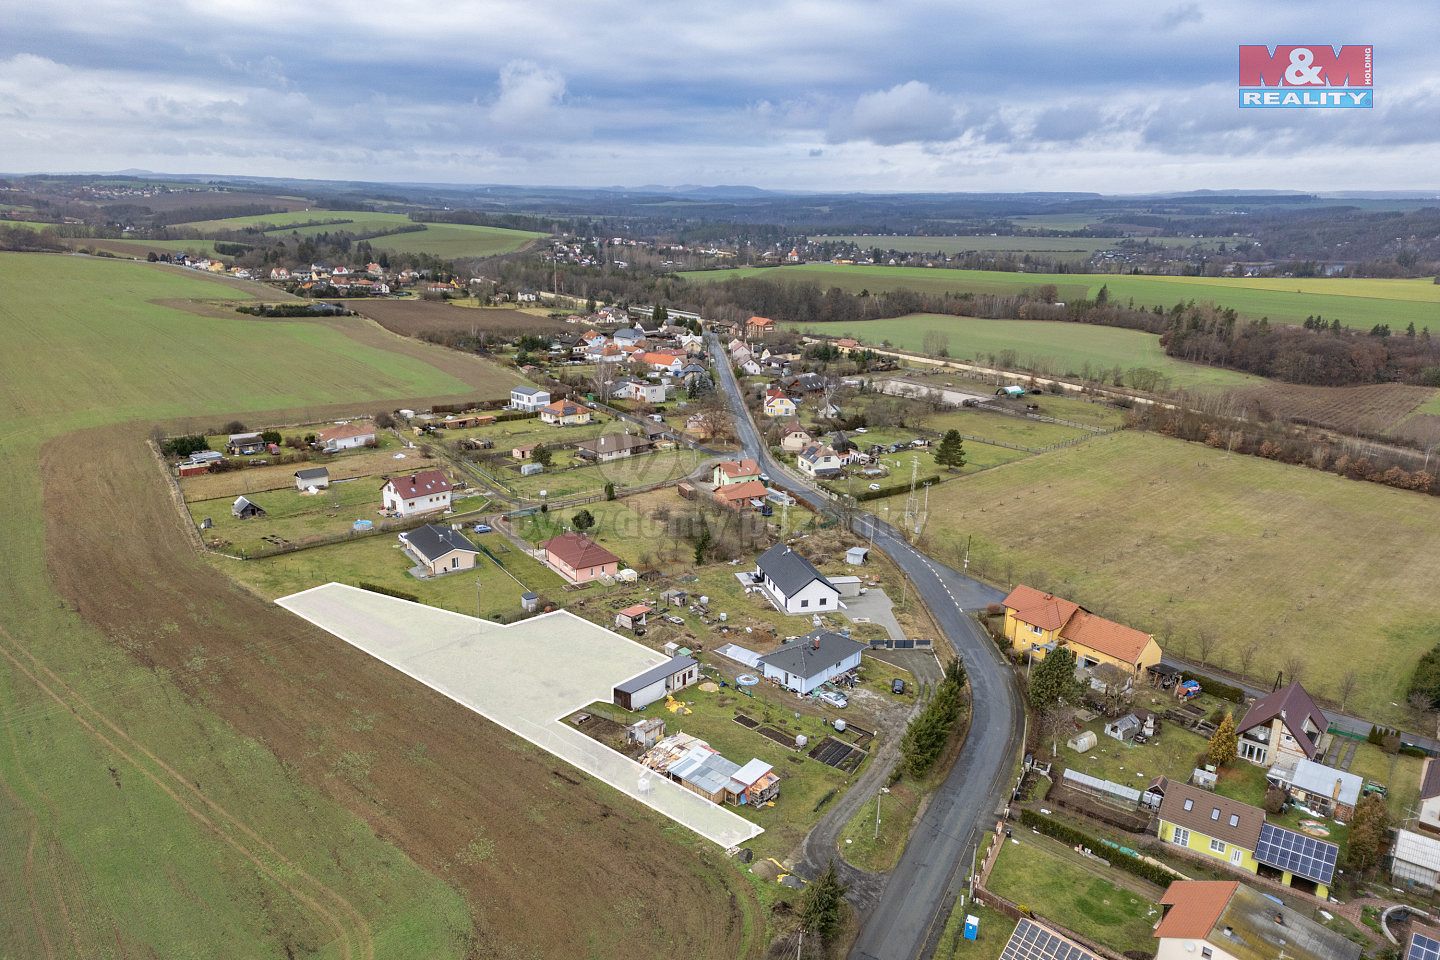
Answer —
(951, 451)
(1368, 830)
(583, 520)
(542, 455)
(703, 544)
(1053, 680)
(609, 491)
(1224, 742)
(821, 908)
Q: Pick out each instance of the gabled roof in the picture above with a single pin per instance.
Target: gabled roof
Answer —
(1195, 906)
(1105, 636)
(668, 669)
(423, 484)
(1416, 848)
(612, 442)
(794, 427)
(578, 550)
(1210, 814)
(744, 490)
(817, 451)
(529, 391)
(789, 571)
(316, 473)
(1430, 780)
(1294, 705)
(345, 431)
(1248, 925)
(759, 322)
(1043, 610)
(432, 542)
(814, 653)
(737, 469)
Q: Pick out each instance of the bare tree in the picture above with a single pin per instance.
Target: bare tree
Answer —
(1247, 657)
(1204, 643)
(1348, 682)
(1054, 721)
(1294, 669)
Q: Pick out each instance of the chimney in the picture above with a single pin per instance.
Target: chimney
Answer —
(1336, 794)
(817, 643)
(1279, 918)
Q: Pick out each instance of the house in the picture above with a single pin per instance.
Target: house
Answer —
(846, 344)
(244, 444)
(759, 326)
(613, 446)
(1424, 944)
(1038, 622)
(1035, 941)
(439, 549)
(565, 413)
(1283, 725)
(738, 496)
(645, 390)
(793, 583)
(424, 492)
(1430, 795)
(796, 438)
(663, 362)
(735, 471)
(1236, 834)
(778, 404)
(579, 559)
(632, 617)
(316, 479)
(1416, 861)
(819, 460)
(243, 509)
(699, 768)
(816, 658)
(1326, 791)
(528, 399)
(752, 366)
(830, 411)
(346, 436)
(1228, 920)
(639, 692)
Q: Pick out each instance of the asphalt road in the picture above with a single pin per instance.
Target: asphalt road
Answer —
(910, 913)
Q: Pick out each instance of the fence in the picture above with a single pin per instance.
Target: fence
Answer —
(391, 525)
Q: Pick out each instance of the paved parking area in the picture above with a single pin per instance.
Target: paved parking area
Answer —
(526, 677)
(876, 607)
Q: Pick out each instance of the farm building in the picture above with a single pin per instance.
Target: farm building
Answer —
(439, 549)
(792, 582)
(614, 446)
(424, 492)
(316, 478)
(1123, 728)
(1083, 742)
(1329, 792)
(1230, 920)
(645, 732)
(523, 452)
(856, 556)
(1283, 725)
(244, 509)
(816, 658)
(192, 468)
(244, 444)
(346, 436)
(528, 399)
(639, 692)
(579, 559)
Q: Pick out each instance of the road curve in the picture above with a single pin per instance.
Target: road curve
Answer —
(907, 920)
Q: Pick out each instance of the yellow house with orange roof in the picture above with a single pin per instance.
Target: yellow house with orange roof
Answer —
(1039, 622)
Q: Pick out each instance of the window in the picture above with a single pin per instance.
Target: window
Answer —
(822, 601)
(1189, 804)
(804, 603)
(1206, 953)
(1217, 846)
(1236, 855)
(1234, 819)
(1034, 629)
(1214, 813)
(1181, 837)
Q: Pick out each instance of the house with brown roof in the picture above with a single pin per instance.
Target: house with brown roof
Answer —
(613, 446)
(1284, 725)
(565, 413)
(1038, 622)
(1430, 796)
(346, 436)
(424, 492)
(1226, 920)
(759, 326)
(749, 494)
(579, 559)
(735, 471)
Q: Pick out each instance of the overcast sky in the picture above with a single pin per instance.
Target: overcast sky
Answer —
(858, 95)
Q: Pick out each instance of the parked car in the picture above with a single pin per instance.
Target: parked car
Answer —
(834, 699)
(874, 486)
(897, 686)
(483, 528)
(861, 430)
(764, 478)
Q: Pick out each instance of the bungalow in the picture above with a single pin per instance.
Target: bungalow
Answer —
(578, 558)
(244, 444)
(243, 509)
(346, 436)
(816, 658)
(1038, 622)
(315, 479)
(793, 583)
(818, 460)
(759, 326)
(1230, 921)
(739, 496)
(1283, 725)
(528, 399)
(424, 492)
(640, 691)
(523, 452)
(614, 446)
(1328, 792)
(663, 362)
(192, 468)
(565, 413)
(778, 404)
(735, 471)
(1416, 861)
(796, 438)
(439, 549)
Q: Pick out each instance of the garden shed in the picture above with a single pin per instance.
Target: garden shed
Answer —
(1083, 742)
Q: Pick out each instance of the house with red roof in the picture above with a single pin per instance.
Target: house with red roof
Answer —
(740, 496)
(778, 403)
(1227, 920)
(1285, 725)
(1038, 622)
(735, 471)
(579, 559)
(424, 492)
(346, 436)
(759, 326)
(565, 413)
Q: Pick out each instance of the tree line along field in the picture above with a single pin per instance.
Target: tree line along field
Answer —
(1359, 303)
(1213, 554)
(1072, 249)
(316, 802)
(445, 240)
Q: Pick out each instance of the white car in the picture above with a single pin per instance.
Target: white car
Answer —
(874, 486)
(861, 430)
(834, 699)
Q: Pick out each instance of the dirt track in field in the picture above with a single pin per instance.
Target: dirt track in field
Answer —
(576, 869)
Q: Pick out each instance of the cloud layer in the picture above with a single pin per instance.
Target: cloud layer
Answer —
(790, 94)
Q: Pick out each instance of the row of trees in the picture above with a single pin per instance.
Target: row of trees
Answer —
(927, 734)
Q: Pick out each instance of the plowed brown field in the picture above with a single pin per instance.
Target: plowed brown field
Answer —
(414, 318)
(1370, 410)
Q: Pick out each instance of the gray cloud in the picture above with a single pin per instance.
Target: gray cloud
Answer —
(907, 113)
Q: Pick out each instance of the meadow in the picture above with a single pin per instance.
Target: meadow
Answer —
(1075, 250)
(1242, 562)
(447, 240)
(1359, 303)
(173, 739)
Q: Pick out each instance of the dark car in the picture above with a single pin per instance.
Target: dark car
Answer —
(897, 686)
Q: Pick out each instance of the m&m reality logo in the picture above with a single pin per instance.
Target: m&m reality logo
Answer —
(1314, 76)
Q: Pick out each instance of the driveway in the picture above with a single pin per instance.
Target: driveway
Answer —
(875, 607)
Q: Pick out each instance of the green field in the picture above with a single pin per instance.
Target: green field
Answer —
(1177, 539)
(1060, 349)
(150, 824)
(447, 240)
(1356, 302)
(1069, 249)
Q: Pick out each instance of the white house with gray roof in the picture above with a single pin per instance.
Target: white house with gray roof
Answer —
(439, 549)
(793, 583)
(528, 399)
(818, 657)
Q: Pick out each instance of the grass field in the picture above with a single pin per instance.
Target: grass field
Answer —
(186, 769)
(1177, 539)
(448, 240)
(1069, 249)
(1356, 302)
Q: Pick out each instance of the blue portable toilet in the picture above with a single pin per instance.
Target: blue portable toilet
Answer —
(972, 926)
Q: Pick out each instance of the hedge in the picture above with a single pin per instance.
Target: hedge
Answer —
(894, 488)
(1075, 838)
(389, 592)
(1216, 688)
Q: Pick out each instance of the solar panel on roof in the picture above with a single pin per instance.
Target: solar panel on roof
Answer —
(1030, 941)
(1423, 948)
(1296, 853)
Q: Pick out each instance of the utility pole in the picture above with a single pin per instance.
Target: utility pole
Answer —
(877, 812)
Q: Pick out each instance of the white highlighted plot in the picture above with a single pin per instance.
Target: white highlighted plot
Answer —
(527, 677)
